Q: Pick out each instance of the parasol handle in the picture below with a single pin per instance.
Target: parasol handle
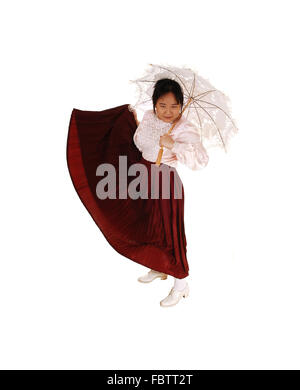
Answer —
(161, 150)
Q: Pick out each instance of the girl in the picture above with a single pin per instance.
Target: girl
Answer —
(148, 230)
(184, 145)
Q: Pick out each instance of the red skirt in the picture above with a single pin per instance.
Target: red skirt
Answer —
(148, 231)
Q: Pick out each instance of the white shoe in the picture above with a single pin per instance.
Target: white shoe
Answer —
(151, 275)
(174, 296)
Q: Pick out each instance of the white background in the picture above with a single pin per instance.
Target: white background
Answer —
(68, 300)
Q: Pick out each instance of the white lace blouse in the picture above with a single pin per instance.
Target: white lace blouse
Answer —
(187, 148)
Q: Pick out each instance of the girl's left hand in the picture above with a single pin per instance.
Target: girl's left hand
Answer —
(167, 141)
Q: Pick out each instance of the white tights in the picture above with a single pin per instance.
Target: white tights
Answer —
(179, 284)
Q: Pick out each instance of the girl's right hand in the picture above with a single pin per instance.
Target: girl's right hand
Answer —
(135, 116)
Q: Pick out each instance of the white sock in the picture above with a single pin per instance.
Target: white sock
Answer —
(179, 284)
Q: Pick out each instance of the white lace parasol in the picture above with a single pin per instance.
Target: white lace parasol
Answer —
(209, 109)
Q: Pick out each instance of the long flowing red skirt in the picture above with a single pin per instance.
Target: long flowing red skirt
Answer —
(148, 231)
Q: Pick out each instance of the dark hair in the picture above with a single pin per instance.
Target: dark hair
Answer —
(164, 86)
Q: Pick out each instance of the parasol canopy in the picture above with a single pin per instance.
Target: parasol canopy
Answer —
(208, 108)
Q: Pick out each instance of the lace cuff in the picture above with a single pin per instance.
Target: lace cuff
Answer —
(193, 155)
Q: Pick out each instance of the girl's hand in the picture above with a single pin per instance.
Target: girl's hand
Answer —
(135, 116)
(134, 113)
(166, 140)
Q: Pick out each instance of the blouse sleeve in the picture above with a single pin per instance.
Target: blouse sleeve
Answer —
(138, 139)
(189, 149)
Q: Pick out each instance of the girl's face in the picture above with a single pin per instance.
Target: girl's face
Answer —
(166, 108)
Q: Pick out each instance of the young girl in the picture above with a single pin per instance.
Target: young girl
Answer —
(182, 145)
(149, 231)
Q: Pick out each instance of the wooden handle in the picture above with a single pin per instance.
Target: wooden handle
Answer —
(159, 156)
